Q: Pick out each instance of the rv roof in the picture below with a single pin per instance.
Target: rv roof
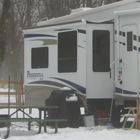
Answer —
(84, 12)
(55, 24)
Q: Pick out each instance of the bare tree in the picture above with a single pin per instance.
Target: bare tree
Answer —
(1, 3)
(55, 8)
(4, 25)
(24, 13)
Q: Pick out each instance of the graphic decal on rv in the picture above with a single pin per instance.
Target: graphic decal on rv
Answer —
(119, 90)
(122, 43)
(47, 41)
(81, 47)
(82, 31)
(62, 29)
(76, 86)
(120, 33)
(32, 75)
(56, 84)
(37, 35)
(134, 38)
(51, 83)
(134, 47)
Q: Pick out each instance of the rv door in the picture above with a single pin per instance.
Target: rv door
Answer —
(100, 46)
(128, 69)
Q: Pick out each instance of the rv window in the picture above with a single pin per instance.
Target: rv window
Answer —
(67, 51)
(39, 57)
(101, 51)
(129, 41)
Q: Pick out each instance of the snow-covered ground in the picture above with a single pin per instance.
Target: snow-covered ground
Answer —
(82, 133)
(19, 131)
(4, 99)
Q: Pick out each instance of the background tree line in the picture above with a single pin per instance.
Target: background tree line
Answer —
(17, 14)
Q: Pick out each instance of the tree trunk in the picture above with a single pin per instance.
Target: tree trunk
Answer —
(4, 25)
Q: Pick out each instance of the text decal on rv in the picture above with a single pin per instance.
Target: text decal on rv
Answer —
(34, 74)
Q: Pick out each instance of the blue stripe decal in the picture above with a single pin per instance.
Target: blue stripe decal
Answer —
(119, 90)
(37, 35)
(123, 44)
(134, 47)
(78, 87)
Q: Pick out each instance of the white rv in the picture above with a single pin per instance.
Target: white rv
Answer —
(94, 51)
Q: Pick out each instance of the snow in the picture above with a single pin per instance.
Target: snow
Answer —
(4, 98)
(6, 90)
(19, 131)
(82, 133)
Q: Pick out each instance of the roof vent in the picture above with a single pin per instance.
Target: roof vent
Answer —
(44, 19)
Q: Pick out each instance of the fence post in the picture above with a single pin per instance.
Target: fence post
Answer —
(22, 89)
(8, 94)
(18, 94)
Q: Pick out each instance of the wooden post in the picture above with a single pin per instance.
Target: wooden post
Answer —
(18, 86)
(19, 94)
(22, 93)
(8, 94)
(30, 110)
(138, 114)
(22, 89)
(16, 98)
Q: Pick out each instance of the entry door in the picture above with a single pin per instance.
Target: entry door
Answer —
(129, 62)
(99, 58)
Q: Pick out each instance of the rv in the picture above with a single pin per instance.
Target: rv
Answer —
(93, 51)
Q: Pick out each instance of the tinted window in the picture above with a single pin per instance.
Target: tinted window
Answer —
(67, 51)
(101, 51)
(129, 41)
(39, 57)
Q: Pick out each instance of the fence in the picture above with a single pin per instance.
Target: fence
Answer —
(14, 88)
